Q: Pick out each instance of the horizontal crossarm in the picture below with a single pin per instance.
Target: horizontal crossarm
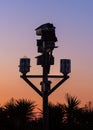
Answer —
(41, 76)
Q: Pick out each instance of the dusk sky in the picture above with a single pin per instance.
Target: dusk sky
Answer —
(73, 20)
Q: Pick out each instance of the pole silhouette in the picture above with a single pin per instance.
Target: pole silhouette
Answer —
(45, 46)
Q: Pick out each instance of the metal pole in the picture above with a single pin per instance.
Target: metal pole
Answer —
(45, 95)
(45, 112)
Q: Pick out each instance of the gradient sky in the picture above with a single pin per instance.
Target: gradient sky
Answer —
(73, 20)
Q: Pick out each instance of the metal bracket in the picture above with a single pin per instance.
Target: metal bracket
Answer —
(25, 77)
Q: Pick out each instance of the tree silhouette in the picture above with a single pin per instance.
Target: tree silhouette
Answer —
(2, 118)
(25, 109)
(19, 113)
(56, 115)
(71, 108)
(87, 117)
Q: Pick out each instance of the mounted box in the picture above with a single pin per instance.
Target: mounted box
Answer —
(41, 60)
(24, 66)
(65, 66)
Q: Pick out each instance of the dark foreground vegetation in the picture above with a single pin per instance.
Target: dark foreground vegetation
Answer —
(20, 115)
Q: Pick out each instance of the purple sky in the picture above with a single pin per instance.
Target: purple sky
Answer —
(73, 20)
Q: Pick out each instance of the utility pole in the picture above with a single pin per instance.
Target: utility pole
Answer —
(45, 46)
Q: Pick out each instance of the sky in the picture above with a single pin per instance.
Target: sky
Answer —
(73, 20)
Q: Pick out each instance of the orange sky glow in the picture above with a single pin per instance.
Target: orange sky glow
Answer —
(74, 29)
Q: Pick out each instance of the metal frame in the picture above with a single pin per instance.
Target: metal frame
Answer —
(44, 94)
(45, 63)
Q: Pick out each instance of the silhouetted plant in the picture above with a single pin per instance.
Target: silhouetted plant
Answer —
(56, 115)
(87, 116)
(2, 118)
(25, 109)
(19, 113)
(71, 108)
